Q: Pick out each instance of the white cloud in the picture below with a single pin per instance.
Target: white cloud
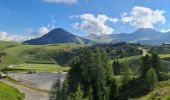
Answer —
(142, 17)
(52, 25)
(165, 30)
(4, 36)
(61, 1)
(44, 30)
(40, 32)
(94, 24)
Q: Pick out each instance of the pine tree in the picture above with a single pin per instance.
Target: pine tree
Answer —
(91, 70)
(78, 95)
(90, 94)
(114, 90)
(55, 93)
(156, 62)
(126, 72)
(146, 65)
(151, 78)
(116, 67)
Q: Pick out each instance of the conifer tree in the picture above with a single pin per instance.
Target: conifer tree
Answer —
(126, 72)
(151, 78)
(156, 62)
(146, 65)
(55, 93)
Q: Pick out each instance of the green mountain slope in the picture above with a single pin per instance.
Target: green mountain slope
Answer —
(160, 92)
(10, 93)
(58, 35)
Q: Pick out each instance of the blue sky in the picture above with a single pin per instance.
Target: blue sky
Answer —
(82, 17)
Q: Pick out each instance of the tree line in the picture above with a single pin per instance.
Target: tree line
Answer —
(93, 77)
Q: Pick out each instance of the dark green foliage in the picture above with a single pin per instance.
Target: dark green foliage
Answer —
(56, 92)
(59, 91)
(120, 50)
(151, 78)
(146, 65)
(114, 90)
(156, 62)
(116, 67)
(93, 72)
(153, 61)
(164, 76)
(78, 95)
(160, 49)
(63, 58)
(134, 89)
(126, 73)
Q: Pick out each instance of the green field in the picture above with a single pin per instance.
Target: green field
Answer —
(127, 59)
(41, 67)
(164, 55)
(160, 92)
(10, 93)
(18, 53)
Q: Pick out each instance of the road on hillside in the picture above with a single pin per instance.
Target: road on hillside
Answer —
(29, 93)
(144, 51)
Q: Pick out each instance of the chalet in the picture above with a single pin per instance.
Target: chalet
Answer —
(166, 44)
(2, 75)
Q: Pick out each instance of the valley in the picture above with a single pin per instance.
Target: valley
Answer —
(35, 72)
(84, 50)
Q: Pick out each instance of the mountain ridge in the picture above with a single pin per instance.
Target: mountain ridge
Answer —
(58, 35)
(142, 35)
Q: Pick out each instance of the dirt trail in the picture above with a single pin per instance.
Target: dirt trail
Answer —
(29, 93)
(144, 51)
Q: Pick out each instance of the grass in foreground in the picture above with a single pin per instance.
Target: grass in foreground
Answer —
(41, 67)
(26, 85)
(10, 93)
(160, 92)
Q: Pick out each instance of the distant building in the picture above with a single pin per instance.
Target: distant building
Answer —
(2, 75)
(166, 44)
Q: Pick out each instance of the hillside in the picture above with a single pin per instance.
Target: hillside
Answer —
(19, 53)
(58, 35)
(10, 93)
(61, 54)
(161, 91)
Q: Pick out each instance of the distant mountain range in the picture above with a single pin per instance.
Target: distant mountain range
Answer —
(143, 35)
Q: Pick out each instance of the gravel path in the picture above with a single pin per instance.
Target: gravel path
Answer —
(29, 93)
(144, 51)
(39, 80)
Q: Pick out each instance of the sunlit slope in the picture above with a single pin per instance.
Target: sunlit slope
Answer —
(160, 92)
(10, 93)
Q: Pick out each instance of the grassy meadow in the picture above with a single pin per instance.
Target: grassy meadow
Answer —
(161, 91)
(42, 67)
(10, 93)
(18, 53)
